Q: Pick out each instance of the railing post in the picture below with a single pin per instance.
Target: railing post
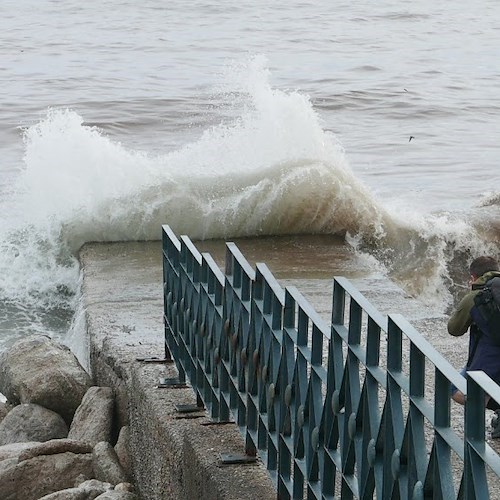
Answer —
(393, 413)
(475, 480)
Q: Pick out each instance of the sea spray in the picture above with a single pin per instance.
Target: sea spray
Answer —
(272, 170)
(428, 254)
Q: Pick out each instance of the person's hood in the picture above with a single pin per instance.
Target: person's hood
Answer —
(486, 277)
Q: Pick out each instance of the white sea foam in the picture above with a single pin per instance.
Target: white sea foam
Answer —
(273, 170)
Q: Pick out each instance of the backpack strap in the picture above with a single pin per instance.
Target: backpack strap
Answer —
(494, 284)
(476, 333)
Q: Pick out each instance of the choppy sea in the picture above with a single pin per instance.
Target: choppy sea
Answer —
(377, 122)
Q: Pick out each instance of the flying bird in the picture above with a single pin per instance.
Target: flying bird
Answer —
(411, 137)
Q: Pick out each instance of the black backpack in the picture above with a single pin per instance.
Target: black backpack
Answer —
(487, 303)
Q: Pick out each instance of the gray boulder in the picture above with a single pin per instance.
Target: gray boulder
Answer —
(122, 450)
(117, 495)
(7, 464)
(125, 487)
(72, 494)
(40, 371)
(95, 483)
(33, 478)
(56, 446)
(4, 409)
(13, 450)
(31, 422)
(93, 419)
(106, 464)
(88, 490)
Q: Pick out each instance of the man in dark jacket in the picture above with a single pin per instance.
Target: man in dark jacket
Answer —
(484, 354)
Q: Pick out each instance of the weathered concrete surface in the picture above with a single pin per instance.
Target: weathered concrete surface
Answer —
(172, 457)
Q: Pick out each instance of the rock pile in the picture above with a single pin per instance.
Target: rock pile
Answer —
(56, 429)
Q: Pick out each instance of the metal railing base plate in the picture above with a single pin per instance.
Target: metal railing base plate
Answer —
(154, 359)
(235, 459)
(171, 383)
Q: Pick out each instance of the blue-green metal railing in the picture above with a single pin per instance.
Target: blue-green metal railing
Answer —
(340, 411)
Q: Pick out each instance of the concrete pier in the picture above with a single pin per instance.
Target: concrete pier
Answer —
(175, 455)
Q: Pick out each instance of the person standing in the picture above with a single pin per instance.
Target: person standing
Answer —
(484, 352)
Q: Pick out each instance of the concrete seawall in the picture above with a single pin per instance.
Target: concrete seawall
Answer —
(174, 456)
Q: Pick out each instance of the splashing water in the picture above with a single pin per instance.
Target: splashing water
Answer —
(272, 170)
